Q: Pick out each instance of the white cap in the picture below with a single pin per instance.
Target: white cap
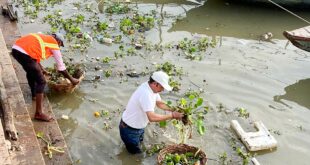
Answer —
(162, 78)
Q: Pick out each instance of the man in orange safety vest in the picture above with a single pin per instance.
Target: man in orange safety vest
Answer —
(29, 50)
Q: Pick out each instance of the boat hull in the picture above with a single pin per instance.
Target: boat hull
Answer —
(299, 37)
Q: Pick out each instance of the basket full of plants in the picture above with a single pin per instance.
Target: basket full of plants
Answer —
(181, 154)
(58, 83)
(194, 115)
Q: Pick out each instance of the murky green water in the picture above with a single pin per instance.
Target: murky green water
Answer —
(269, 79)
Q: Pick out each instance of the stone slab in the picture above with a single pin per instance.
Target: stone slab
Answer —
(28, 150)
(5, 158)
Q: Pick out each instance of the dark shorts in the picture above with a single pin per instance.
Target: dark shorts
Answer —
(33, 70)
(131, 137)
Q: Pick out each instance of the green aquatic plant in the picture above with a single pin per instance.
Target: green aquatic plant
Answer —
(243, 112)
(49, 148)
(245, 156)
(154, 148)
(194, 49)
(118, 8)
(188, 158)
(118, 39)
(170, 69)
(194, 112)
(106, 59)
(176, 85)
(108, 73)
(138, 22)
(102, 26)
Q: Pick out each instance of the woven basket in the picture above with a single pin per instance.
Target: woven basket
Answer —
(65, 87)
(181, 149)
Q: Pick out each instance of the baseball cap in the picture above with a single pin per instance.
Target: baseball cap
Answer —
(162, 78)
(59, 37)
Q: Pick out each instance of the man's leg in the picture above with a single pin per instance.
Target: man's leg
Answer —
(27, 63)
(40, 83)
(32, 85)
(36, 81)
(131, 138)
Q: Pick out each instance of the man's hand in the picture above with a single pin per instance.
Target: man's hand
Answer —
(74, 81)
(177, 115)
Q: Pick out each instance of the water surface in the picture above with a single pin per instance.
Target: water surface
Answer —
(240, 71)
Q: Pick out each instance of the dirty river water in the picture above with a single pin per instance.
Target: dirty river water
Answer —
(269, 79)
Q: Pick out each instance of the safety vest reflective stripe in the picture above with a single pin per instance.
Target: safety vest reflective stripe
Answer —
(44, 44)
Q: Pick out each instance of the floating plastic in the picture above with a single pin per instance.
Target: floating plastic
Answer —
(107, 40)
(65, 117)
(255, 141)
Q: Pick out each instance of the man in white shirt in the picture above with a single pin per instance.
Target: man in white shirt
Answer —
(140, 110)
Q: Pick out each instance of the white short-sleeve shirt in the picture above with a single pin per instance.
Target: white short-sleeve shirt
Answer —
(141, 101)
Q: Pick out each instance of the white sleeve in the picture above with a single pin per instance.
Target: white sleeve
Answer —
(158, 98)
(58, 59)
(146, 103)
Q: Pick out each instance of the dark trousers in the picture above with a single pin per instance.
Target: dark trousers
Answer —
(131, 137)
(33, 70)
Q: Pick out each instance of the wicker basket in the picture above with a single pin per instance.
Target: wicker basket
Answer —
(65, 86)
(181, 149)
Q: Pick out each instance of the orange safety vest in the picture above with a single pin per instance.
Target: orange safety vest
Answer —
(38, 46)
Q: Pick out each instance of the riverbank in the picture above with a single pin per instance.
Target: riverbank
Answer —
(27, 149)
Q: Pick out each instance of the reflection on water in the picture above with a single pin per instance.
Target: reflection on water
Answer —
(219, 18)
(67, 101)
(298, 92)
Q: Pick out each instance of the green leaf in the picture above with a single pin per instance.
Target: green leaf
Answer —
(169, 102)
(206, 109)
(40, 134)
(200, 127)
(162, 124)
(199, 102)
(191, 97)
(183, 102)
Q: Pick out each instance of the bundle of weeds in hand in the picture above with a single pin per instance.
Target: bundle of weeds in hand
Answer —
(75, 70)
(57, 82)
(194, 114)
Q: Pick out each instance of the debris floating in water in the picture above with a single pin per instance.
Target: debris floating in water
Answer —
(65, 117)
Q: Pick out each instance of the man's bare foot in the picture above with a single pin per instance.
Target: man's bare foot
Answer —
(43, 117)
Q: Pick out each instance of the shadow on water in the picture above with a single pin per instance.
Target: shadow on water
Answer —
(219, 18)
(298, 93)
